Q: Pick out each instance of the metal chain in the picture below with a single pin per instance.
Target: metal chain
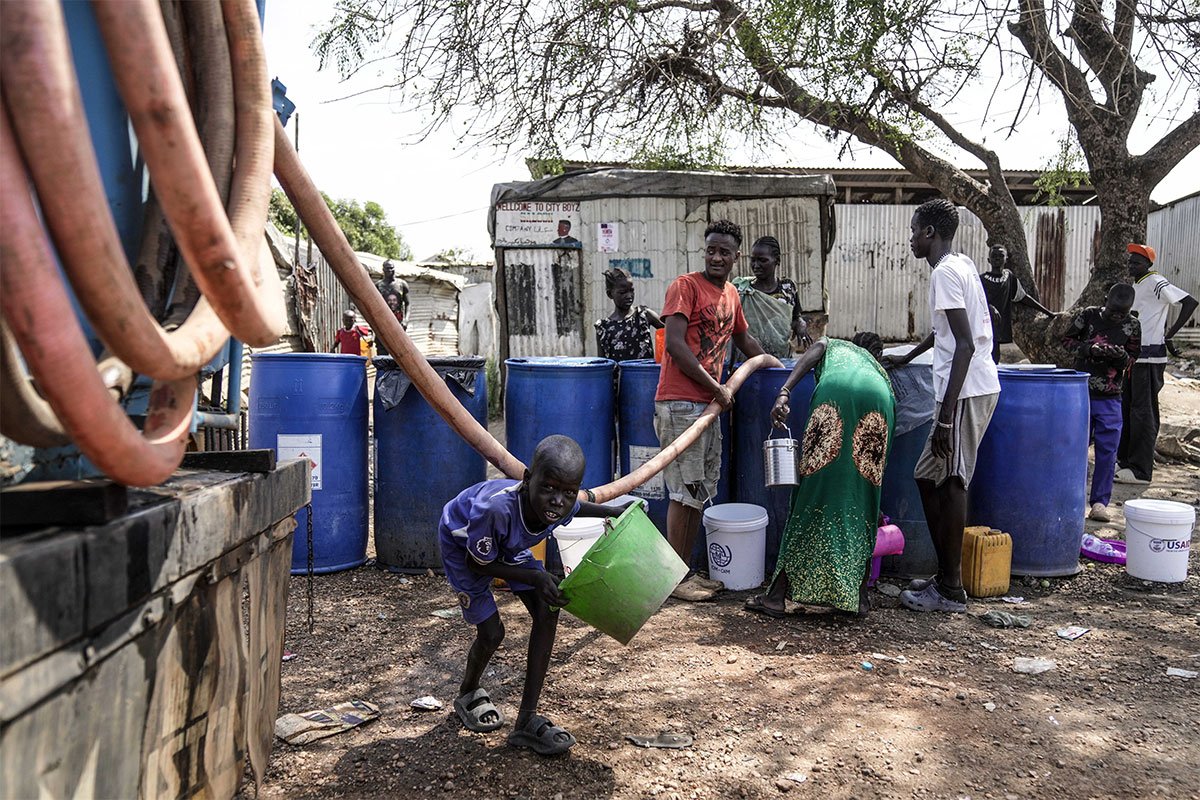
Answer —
(308, 510)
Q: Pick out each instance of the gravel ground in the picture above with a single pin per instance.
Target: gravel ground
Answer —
(776, 707)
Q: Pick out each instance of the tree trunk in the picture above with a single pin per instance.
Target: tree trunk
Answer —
(1124, 199)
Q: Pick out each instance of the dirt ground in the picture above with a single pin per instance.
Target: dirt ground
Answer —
(776, 707)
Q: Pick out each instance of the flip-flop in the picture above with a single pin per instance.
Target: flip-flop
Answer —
(666, 740)
(471, 708)
(542, 737)
(755, 604)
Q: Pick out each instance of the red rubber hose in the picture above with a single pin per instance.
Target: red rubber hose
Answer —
(37, 308)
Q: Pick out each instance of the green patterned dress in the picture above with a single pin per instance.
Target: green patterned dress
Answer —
(830, 533)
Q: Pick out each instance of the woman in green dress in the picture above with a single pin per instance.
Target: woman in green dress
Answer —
(830, 535)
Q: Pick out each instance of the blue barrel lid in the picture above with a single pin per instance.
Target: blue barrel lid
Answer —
(572, 362)
(1041, 373)
(639, 363)
(331, 357)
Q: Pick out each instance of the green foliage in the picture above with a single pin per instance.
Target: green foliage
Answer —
(281, 213)
(545, 167)
(707, 157)
(365, 225)
(1066, 169)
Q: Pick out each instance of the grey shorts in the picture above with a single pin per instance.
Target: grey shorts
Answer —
(700, 465)
(970, 424)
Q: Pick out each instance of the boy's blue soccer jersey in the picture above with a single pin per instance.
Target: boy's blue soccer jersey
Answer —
(484, 522)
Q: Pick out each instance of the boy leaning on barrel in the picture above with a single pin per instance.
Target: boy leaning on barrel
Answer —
(485, 533)
(1106, 341)
(966, 387)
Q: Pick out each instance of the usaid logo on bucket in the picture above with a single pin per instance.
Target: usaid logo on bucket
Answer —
(719, 555)
(1170, 545)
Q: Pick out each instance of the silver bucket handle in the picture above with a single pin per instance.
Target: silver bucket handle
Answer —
(785, 427)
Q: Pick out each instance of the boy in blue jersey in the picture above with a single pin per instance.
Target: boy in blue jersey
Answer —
(485, 533)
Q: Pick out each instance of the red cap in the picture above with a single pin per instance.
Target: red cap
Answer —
(1142, 250)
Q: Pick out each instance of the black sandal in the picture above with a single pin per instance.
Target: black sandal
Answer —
(756, 604)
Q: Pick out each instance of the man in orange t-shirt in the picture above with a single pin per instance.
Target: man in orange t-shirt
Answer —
(702, 314)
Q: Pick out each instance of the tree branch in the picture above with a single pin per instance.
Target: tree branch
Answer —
(848, 118)
(1033, 33)
(1168, 151)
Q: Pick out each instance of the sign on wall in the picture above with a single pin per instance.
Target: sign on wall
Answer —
(538, 223)
(608, 237)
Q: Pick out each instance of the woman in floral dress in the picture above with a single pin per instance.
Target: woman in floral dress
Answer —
(830, 535)
(628, 332)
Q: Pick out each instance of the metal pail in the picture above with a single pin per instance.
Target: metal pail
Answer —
(781, 461)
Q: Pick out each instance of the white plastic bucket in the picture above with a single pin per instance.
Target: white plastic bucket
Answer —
(1158, 539)
(577, 536)
(737, 544)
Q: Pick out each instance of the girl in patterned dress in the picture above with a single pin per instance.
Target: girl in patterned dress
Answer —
(627, 333)
(830, 534)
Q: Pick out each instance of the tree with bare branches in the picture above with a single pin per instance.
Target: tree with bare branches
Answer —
(680, 76)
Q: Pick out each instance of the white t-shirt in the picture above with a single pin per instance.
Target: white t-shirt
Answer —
(1153, 296)
(955, 283)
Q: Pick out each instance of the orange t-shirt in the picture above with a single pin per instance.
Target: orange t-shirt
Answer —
(714, 316)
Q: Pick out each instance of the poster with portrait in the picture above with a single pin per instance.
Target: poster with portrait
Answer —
(538, 223)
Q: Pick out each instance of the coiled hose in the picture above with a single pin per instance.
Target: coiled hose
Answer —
(39, 313)
(40, 89)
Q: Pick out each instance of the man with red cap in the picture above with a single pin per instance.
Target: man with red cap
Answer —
(1153, 297)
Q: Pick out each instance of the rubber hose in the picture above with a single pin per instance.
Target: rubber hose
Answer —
(627, 483)
(332, 242)
(43, 323)
(222, 259)
(207, 63)
(333, 245)
(41, 91)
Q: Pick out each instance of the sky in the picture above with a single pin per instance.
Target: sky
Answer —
(436, 191)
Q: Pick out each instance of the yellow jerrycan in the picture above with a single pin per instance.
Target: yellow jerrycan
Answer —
(986, 561)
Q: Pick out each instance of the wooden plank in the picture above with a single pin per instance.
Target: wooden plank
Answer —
(260, 461)
(43, 503)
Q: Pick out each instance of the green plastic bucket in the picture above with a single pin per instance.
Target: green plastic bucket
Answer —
(624, 577)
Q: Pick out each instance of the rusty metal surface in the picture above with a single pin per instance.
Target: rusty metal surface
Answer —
(542, 296)
(130, 674)
(1049, 257)
(874, 283)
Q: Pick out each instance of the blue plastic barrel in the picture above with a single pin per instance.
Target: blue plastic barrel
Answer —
(314, 405)
(420, 462)
(566, 395)
(899, 499)
(900, 502)
(752, 426)
(637, 439)
(1031, 473)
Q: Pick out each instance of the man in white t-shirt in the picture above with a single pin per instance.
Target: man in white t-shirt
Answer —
(966, 386)
(1153, 296)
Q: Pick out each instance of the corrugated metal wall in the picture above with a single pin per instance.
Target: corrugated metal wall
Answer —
(653, 244)
(796, 223)
(874, 283)
(1174, 233)
(543, 302)
(662, 238)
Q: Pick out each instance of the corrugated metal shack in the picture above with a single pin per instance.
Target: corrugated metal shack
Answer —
(1174, 232)
(874, 283)
(556, 236)
(433, 303)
